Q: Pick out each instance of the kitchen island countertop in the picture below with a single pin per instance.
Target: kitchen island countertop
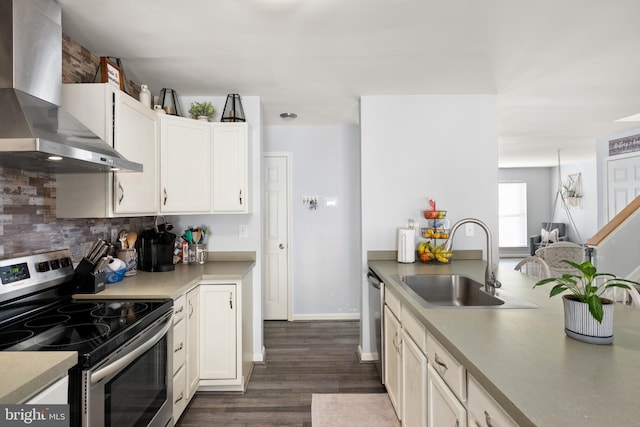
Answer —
(523, 358)
(27, 372)
(171, 284)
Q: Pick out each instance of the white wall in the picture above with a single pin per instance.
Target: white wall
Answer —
(325, 242)
(413, 148)
(584, 215)
(224, 228)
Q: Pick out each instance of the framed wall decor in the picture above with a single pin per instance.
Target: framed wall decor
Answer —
(111, 73)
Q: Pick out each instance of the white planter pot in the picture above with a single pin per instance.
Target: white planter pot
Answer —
(580, 325)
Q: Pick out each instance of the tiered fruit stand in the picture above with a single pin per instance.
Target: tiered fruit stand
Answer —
(437, 229)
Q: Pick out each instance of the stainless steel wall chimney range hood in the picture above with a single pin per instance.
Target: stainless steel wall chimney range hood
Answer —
(34, 129)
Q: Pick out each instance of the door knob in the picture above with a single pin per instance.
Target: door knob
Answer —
(281, 245)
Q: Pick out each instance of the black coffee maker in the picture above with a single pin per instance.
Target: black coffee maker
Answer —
(155, 248)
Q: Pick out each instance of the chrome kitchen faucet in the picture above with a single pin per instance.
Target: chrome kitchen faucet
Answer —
(490, 282)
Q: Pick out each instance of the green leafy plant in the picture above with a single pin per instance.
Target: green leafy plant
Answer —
(201, 109)
(587, 287)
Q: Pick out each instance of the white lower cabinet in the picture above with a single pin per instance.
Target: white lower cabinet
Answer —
(393, 360)
(193, 331)
(483, 410)
(444, 407)
(179, 356)
(56, 393)
(225, 338)
(414, 384)
(218, 326)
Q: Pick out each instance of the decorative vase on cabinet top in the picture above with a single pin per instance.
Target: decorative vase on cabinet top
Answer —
(145, 96)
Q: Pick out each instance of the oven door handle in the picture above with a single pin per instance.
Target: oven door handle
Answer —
(130, 357)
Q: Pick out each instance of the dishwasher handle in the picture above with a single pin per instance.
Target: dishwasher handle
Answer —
(374, 280)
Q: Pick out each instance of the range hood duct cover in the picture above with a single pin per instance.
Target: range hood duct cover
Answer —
(33, 126)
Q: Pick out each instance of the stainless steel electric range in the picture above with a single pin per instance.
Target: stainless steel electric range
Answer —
(124, 363)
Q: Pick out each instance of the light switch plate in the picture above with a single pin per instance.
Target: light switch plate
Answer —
(243, 231)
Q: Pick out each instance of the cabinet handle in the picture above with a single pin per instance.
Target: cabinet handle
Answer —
(230, 300)
(487, 419)
(121, 193)
(241, 197)
(457, 423)
(478, 424)
(179, 310)
(165, 197)
(179, 397)
(179, 348)
(190, 309)
(440, 362)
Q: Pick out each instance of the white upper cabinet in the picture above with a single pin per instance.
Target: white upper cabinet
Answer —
(230, 168)
(190, 166)
(185, 183)
(129, 127)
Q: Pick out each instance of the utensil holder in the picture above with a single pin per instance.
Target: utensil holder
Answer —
(130, 257)
(197, 253)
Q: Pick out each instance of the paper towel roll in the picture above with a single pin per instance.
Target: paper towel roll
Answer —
(406, 245)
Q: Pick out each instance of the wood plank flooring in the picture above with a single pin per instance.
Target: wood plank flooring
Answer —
(302, 358)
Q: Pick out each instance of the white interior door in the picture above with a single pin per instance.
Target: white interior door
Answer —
(277, 216)
(623, 183)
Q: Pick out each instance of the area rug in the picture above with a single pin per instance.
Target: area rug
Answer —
(343, 409)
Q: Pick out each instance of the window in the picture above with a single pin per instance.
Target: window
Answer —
(512, 208)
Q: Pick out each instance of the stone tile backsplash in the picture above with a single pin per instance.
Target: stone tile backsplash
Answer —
(28, 222)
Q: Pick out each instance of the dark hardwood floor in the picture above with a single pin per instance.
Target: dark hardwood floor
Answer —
(302, 358)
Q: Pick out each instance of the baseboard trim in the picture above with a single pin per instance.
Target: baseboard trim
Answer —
(366, 357)
(326, 316)
(260, 358)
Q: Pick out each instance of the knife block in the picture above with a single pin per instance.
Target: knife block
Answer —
(86, 281)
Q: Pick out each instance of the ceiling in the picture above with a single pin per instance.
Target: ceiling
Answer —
(562, 71)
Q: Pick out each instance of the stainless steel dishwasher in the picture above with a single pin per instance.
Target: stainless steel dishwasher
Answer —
(376, 318)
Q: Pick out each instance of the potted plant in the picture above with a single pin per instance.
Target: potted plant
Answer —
(201, 110)
(588, 316)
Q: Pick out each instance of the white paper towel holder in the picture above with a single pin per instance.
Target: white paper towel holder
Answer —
(406, 245)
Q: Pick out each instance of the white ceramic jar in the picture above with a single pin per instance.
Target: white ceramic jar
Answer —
(145, 96)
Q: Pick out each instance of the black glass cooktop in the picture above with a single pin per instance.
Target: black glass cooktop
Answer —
(92, 328)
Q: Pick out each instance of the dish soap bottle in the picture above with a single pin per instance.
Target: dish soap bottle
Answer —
(145, 96)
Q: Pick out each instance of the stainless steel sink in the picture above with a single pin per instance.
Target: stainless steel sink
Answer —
(454, 290)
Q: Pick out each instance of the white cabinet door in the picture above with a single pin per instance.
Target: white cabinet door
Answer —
(185, 160)
(136, 139)
(129, 127)
(414, 384)
(179, 393)
(484, 410)
(218, 332)
(193, 369)
(55, 394)
(393, 360)
(230, 169)
(444, 407)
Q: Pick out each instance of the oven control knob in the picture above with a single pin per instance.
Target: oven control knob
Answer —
(41, 267)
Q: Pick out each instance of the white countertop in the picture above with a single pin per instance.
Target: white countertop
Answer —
(524, 359)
